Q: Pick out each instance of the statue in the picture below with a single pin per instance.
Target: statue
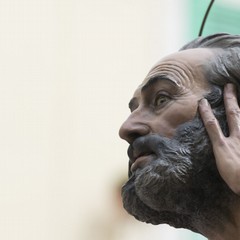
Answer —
(184, 140)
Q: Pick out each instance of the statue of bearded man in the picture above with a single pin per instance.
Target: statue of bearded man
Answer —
(184, 140)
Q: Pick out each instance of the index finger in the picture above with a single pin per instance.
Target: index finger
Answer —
(211, 124)
(232, 108)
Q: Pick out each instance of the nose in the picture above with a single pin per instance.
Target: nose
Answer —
(133, 128)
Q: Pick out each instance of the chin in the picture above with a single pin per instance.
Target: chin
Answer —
(181, 185)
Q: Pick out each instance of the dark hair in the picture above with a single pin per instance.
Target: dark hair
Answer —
(218, 40)
(225, 66)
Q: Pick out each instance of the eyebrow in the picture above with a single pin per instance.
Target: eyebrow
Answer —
(153, 80)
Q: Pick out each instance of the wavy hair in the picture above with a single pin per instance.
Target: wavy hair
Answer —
(225, 66)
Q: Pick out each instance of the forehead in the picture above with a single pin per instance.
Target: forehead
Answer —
(183, 68)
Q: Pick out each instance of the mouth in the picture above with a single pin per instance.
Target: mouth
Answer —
(141, 160)
(141, 152)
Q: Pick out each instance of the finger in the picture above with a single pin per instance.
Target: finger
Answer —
(232, 108)
(210, 122)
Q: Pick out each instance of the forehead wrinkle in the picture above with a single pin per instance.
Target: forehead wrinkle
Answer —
(177, 72)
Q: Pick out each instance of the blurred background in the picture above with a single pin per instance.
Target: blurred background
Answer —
(68, 69)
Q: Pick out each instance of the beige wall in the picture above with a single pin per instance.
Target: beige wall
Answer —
(67, 71)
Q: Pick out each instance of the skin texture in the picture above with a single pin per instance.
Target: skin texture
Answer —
(174, 178)
(168, 96)
(226, 149)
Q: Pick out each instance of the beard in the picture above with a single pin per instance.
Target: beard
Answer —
(181, 185)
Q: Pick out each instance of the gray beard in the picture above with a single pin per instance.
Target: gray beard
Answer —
(181, 186)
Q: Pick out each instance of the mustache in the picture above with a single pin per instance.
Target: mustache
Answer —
(144, 144)
(153, 143)
(168, 152)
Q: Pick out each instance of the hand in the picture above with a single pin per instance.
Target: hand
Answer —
(226, 149)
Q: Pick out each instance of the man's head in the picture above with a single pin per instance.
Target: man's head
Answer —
(173, 176)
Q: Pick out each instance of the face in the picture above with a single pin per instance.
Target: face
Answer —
(160, 167)
(167, 98)
(173, 177)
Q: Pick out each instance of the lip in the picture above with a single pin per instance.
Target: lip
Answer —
(141, 161)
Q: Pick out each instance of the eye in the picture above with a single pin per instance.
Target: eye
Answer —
(160, 100)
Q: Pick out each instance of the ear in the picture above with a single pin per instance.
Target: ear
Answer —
(215, 97)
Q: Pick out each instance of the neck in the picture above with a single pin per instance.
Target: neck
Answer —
(221, 225)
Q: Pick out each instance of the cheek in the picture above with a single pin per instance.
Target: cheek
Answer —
(186, 112)
(178, 114)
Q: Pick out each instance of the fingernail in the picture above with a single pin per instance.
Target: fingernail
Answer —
(203, 102)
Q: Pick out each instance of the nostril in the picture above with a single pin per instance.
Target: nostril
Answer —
(127, 135)
(132, 136)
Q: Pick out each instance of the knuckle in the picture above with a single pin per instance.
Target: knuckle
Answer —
(221, 142)
(211, 122)
(206, 114)
(230, 97)
(205, 111)
(234, 112)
